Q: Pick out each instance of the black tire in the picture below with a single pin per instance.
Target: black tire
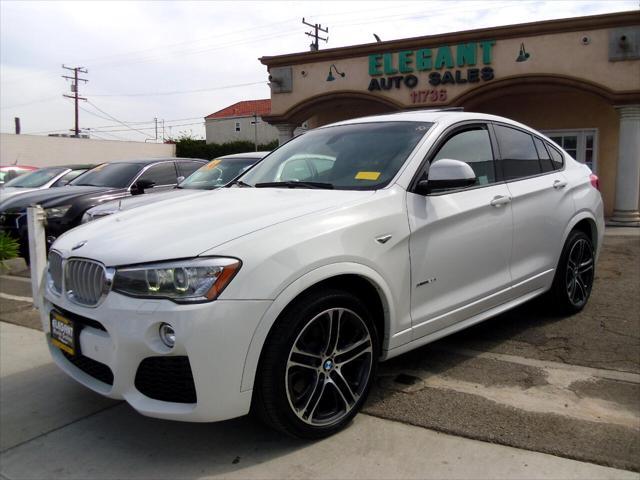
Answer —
(280, 383)
(575, 274)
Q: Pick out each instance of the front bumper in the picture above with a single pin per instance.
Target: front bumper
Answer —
(214, 337)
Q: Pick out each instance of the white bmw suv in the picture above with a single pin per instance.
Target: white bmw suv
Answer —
(348, 245)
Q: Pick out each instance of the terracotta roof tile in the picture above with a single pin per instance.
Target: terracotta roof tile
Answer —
(244, 109)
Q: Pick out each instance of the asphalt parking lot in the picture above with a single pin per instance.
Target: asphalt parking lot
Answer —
(555, 388)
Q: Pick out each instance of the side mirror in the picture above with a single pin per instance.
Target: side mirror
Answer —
(180, 179)
(447, 174)
(140, 186)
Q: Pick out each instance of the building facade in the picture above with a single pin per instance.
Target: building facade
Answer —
(237, 122)
(577, 80)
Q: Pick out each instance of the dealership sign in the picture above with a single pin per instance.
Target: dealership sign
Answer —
(446, 65)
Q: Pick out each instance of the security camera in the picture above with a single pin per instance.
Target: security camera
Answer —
(585, 40)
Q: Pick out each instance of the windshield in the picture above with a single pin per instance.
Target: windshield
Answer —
(114, 175)
(35, 179)
(7, 175)
(364, 156)
(217, 173)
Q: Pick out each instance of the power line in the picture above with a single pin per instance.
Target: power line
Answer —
(152, 128)
(179, 92)
(116, 120)
(116, 124)
(42, 100)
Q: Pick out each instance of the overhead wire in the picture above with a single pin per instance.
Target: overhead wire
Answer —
(116, 120)
(179, 92)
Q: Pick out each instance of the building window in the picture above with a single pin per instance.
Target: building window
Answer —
(237, 126)
(580, 144)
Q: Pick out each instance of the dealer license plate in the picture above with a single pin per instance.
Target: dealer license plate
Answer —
(62, 333)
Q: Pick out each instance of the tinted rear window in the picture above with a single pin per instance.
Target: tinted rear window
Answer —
(556, 157)
(543, 155)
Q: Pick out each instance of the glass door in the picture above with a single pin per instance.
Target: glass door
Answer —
(580, 144)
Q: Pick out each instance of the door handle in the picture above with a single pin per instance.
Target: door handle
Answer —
(558, 184)
(500, 200)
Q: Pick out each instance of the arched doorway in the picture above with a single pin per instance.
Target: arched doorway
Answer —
(333, 107)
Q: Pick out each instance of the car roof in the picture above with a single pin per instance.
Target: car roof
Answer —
(246, 155)
(431, 116)
(148, 161)
(75, 166)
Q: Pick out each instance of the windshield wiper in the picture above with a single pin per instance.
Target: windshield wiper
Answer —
(295, 184)
(240, 183)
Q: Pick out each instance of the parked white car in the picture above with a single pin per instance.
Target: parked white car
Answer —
(282, 295)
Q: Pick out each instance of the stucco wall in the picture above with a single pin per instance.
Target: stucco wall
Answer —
(41, 151)
(224, 130)
(559, 54)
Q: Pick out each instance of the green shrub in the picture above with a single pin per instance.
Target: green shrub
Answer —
(8, 247)
(193, 148)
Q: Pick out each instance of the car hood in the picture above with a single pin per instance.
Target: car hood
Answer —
(107, 208)
(50, 197)
(8, 192)
(193, 224)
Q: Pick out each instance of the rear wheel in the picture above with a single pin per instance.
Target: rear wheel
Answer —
(575, 274)
(317, 365)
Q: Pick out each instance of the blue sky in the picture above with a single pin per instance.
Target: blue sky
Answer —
(180, 61)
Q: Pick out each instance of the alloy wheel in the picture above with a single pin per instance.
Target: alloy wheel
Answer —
(580, 272)
(328, 367)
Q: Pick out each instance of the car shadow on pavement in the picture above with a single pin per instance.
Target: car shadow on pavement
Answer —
(75, 432)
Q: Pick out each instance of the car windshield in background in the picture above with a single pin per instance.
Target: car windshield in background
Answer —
(35, 179)
(363, 156)
(114, 175)
(217, 173)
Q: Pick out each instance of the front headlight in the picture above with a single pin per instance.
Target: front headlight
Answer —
(182, 281)
(88, 217)
(57, 212)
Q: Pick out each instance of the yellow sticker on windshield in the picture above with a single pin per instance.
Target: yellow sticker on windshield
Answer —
(367, 175)
(212, 164)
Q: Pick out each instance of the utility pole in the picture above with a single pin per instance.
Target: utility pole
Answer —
(74, 89)
(163, 130)
(156, 120)
(255, 130)
(314, 47)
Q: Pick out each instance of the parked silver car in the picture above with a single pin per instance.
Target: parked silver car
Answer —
(215, 174)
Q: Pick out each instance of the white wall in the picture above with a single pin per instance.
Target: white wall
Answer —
(223, 130)
(41, 151)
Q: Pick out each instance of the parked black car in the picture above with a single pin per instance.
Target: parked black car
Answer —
(65, 206)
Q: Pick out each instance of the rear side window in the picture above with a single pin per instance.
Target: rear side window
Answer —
(543, 155)
(473, 147)
(556, 157)
(161, 174)
(519, 157)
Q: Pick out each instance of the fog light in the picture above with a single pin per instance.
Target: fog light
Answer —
(167, 335)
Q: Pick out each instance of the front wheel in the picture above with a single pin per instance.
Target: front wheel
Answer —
(317, 365)
(575, 274)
